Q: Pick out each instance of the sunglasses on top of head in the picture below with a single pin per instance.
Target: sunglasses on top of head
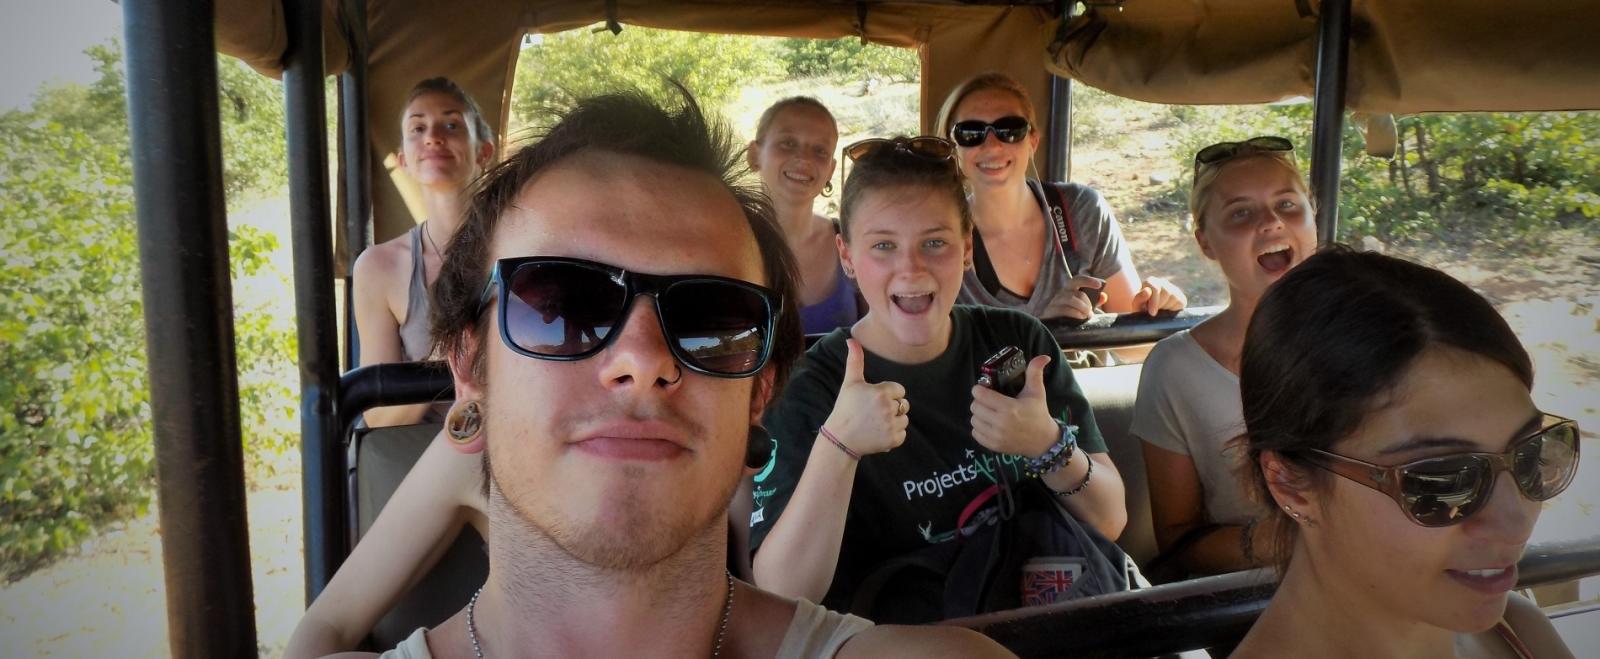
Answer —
(567, 309)
(1444, 490)
(972, 132)
(928, 148)
(1222, 152)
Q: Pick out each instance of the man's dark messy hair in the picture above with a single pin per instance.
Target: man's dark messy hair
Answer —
(622, 124)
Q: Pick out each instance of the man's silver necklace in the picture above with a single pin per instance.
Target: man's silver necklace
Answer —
(716, 647)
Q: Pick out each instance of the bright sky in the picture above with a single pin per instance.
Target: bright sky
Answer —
(42, 41)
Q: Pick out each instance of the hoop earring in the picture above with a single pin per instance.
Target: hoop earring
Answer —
(464, 422)
(759, 449)
(827, 189)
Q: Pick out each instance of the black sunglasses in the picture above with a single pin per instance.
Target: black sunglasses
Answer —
(1224, 151)
(933, 149)
(972, 132)
(1445, 490)
(567, 309)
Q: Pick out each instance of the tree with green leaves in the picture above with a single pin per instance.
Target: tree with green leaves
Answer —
(75, 436)
(557, 69)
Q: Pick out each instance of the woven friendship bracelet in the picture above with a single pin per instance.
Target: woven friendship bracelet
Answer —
(829, 436)
(1059, 455)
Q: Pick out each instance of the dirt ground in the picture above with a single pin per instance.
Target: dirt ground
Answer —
(107, 597)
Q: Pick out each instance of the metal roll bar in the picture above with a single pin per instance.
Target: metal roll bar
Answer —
(309, 223)
(398, 383)
(1201, 613)
(355, 163)
(1114, 330)
(176, 141)
(1327, 114)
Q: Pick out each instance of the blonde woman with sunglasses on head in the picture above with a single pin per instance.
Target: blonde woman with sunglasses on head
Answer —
(1025, 255)
(1392, 431)
(1253, 216)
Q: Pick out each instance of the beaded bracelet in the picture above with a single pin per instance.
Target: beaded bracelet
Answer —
(829, 436)
(1059, 455)
(1086, 476)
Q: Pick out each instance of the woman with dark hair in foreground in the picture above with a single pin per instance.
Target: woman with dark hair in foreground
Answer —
(1392, 429)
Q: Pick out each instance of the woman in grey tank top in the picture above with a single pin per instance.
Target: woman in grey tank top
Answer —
(445, 144)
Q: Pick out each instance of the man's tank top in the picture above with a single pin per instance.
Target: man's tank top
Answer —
(814, 633)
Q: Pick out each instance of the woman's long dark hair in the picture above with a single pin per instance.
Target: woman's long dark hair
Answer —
(1329, 343)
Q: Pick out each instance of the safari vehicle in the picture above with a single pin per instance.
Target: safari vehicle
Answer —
(1374, 57)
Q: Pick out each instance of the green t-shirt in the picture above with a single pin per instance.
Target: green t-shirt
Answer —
(941, 481)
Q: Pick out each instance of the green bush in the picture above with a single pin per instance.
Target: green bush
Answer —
(75, 436)
(810, 58)
(561, 68)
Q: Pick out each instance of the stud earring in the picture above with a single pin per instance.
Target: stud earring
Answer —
(464, 422)
(759, 448)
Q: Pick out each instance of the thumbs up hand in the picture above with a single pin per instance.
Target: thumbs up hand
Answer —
(1018, 426)
(868, 417)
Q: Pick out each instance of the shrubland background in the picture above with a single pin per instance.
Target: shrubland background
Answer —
(75, 432)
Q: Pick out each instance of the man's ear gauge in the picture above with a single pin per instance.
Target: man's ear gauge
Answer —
(758, 449)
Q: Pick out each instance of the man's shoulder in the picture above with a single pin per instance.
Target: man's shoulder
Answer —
(921, 641)
(778, 616)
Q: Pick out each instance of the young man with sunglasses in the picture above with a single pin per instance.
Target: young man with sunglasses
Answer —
(617, 313)
(1051, 250)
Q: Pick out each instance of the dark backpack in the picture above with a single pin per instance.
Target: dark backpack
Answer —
(982, 572)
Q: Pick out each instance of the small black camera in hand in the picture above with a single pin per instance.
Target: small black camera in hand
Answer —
(1003, 372)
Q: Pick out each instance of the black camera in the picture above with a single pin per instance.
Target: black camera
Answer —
(1003, 372)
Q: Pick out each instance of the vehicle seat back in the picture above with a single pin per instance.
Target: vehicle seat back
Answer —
(1111, 391)
(383, 456)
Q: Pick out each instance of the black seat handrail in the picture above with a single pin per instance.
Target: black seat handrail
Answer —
(398, 383)
(1111, 330)
(1201, 613)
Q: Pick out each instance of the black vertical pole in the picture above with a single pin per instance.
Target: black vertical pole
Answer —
(355, 152)
(1327, 121)
(1058, 158)
(188, 311)
(311, 227)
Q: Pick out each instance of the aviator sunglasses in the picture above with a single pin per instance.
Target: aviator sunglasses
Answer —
(971, 133)
(567, 309)
(932, 149)
(1224, 151)
(1445, 490)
